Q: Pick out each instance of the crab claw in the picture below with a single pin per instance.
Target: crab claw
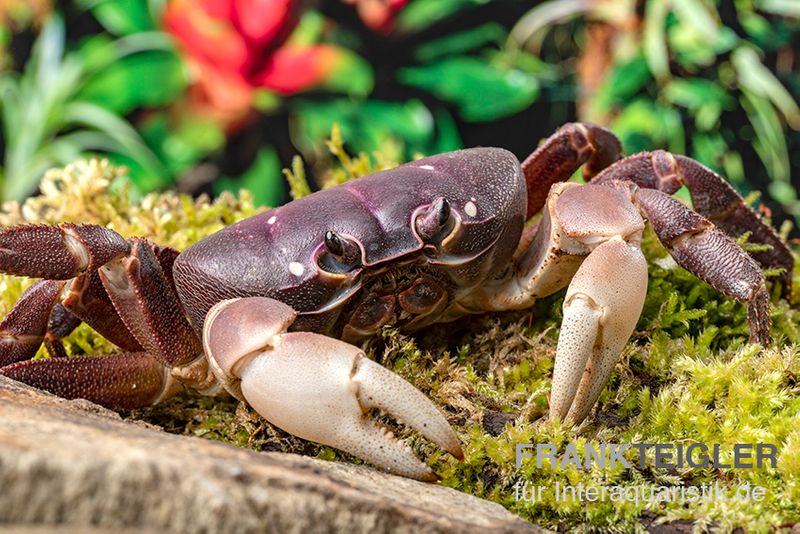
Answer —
(601, 308)
(319, 388)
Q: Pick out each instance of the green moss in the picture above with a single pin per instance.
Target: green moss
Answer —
(687, 375)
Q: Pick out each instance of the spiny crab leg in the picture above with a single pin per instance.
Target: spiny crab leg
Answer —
(601, 308)
(319, 388)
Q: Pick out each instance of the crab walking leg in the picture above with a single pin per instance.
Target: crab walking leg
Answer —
(24, 328)
(87, 299)
(148, 305)
(700, 248)
(121, 381)
(60, 325)
(562, 153)
(319, 388)
(601, 308)
(58, 252)
(712, 197)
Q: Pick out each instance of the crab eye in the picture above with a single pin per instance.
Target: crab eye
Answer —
(341, 254)
(433, 220)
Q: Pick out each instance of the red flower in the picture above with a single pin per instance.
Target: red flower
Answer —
(378, 14)
(235, 47)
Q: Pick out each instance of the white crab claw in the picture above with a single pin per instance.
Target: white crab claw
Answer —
(601, 308)
(319, 388)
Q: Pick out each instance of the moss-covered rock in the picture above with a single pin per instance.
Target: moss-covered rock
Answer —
(687, 375)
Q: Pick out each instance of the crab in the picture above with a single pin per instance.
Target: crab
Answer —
(273, 308)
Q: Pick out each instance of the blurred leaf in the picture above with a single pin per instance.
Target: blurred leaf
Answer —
(121, 17)
(45, 124)
(645, 125)
(94, 116)
(695, 14)
(352, 74)
(448, 138)
(782, 192)
(263, 179)
(755, 77)
(479, 89)
(692, 49)
(99, 52)
(769, 142)
(787, 8)
(625, 80)
(709, 149)
(702, 97)
(530, 29)
(308, 30)
(183, 144)
(654, 41)
(407, 127)
(123, 86)
(462, 42)
(421, 14)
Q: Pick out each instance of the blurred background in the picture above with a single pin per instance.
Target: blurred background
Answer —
(211, 95)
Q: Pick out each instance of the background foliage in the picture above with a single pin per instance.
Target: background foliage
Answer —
(217, 95)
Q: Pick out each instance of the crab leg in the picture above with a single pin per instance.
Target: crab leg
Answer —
(319, 388)
(23, 329)
(712, 196)
(148, 305)
(87, 299)
(700, 248)
(60, 324)
(562, 153)
(601, 308)
(123, 381)
(58, 252)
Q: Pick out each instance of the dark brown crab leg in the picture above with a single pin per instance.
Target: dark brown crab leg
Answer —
(60, 324)
(123, 380)
(58, 252)
(148, 305)
(712, 197)
(130, 301)
(561, 154)
(88, 300)
(24, 328)
(706, 252)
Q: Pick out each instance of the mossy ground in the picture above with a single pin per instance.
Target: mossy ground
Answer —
(686, 376)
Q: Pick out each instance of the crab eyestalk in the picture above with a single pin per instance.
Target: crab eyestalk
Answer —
(318, 388)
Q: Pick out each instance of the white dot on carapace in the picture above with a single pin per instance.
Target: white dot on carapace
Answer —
(272, 220)
(471, 209)
(426, 167)
(296, 269)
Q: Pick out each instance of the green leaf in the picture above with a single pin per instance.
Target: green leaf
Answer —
(626, 79)
(769, 142)
(645, 125)
(421, 14)
(121, 17)
(142, 80)
(654, 41)
(461, 42)
(481, 90)
(757, 78)
(94, 116)
(263, 179)
(398, 129)
(704, 98)
(696, 15)
(352, 75)
(786, 8)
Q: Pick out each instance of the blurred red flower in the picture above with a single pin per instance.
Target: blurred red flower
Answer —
(378, 14)
(235, 47)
